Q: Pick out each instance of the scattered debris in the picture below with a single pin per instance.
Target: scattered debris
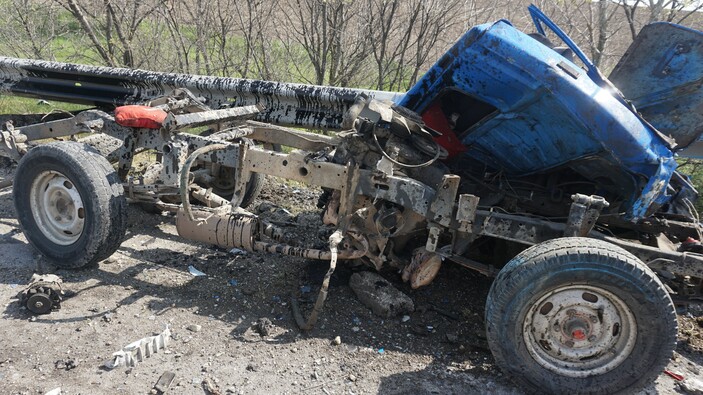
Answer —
(43, 294)
(210, 387)
(195, 272)
(337, 341)
(676, 376)
(381, 351)
(55, 391)
(164, 382)
(194, 327)
(237, 251)
(692, 386)
(66, 364)
(138, 350)
(379, 295)
(406, 318)
(263, 327)
(444, 312)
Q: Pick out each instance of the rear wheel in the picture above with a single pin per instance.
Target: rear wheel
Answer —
(578, 315)
(70, 203)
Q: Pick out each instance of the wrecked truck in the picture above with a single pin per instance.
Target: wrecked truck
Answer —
(513, 156)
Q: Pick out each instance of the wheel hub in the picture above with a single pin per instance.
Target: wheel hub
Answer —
(579, 331)
(57, 208)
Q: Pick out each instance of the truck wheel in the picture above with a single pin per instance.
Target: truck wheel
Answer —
(224, 181)
(578, 315)
(223, 185)
(70, 203)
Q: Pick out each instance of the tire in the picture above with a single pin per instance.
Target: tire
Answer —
(225, 186)
(554, 310)
(70, 204)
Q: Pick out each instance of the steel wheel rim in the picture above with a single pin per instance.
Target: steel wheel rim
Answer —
(57, 208)
(580, 331)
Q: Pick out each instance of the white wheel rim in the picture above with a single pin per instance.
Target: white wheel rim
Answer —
(580, 331)
(57, 208)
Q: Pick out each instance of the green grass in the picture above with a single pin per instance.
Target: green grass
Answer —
(25, 105)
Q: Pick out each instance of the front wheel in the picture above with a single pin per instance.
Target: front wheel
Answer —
(577, 315)
(70, 203)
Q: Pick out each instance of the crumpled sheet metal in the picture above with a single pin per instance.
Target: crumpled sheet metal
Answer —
(138, 350)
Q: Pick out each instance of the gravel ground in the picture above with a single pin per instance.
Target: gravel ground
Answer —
(145, 286)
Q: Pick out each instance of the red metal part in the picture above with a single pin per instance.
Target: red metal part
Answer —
(434, 118)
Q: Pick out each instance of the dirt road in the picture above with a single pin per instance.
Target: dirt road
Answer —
(146, 286)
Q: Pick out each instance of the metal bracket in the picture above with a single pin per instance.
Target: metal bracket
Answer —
(583, 214)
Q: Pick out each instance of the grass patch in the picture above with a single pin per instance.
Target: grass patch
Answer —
(26, 105)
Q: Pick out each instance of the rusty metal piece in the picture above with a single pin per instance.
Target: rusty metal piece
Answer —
(583, 214)
(273, 232)
(486, 270)
(223, 229)
(466, 211)
(90, 121)
(139, 350)
(308, 324)
(443, 203)
(164, 382)
(210, 199)
(43, 294)
(423, 268)
(268, 133)
(307, 253)
(12, 143)
(176, 122)
(185, 173)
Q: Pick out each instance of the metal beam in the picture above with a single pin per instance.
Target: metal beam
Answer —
(308, 106)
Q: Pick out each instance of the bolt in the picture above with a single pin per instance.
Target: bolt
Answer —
(556, 327)
(570, 312)
(70, 218)
(569, 343)
(592, 338)
(594, 319)
(58, 218)
(38, 304)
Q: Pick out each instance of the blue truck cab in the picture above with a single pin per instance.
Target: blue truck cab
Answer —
(515, 106)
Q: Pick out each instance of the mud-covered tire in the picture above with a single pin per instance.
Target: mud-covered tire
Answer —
(70, 203)
(254, 185)
(555, 310)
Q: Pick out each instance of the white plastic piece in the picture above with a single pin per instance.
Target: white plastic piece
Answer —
(138, 350)
(195, 272)
(55, 391)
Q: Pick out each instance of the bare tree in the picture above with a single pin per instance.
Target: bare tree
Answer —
(28, 28)
(111, 25)
(333, 34)
(255, 22)
(642, 12)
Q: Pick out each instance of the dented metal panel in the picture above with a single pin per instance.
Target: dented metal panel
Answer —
(662, 74)
(546, 113)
